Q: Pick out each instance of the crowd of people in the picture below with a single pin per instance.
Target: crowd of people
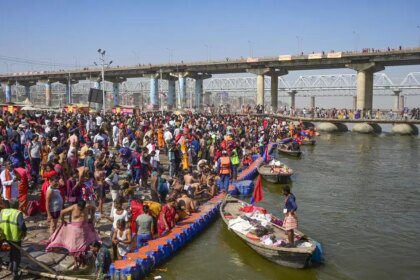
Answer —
(72, 164)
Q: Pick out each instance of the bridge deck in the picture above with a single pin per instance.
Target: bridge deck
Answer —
(377, 121)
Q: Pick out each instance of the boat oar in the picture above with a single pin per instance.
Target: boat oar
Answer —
(26, 254)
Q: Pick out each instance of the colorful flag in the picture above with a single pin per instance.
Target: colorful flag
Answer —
(258, 194)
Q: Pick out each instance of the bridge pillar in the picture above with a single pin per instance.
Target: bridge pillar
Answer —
(402, 105)
(365, 83)
(68, 93)
(198, 94)
(312, 102)
(354, 102)
(199, 77)
(260, 83)
(154, 96)
(8, 92)
(171, 94)
(182, 92)
(292, 98)
(275, 73)
(207, 98)
(182, 81)
(48, 93)
(397, 94)
(28, 91)
(115, 93)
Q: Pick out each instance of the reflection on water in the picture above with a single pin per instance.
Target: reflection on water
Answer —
(357, 194)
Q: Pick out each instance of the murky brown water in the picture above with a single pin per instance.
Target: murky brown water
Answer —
(359, 195)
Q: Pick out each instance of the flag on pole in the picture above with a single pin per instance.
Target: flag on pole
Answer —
(258, 194)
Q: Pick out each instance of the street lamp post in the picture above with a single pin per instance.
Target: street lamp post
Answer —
(103, 65)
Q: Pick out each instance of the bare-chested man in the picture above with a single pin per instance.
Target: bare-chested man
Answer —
(186, 203)
(189, 179)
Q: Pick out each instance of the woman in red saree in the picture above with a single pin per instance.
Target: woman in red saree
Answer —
(49, 172)
(22, 175)
(167, 218)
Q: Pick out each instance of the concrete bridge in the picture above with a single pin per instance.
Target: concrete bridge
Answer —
(401, 127)
(364, 63)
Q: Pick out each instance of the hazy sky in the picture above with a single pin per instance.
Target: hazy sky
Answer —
(46, 32)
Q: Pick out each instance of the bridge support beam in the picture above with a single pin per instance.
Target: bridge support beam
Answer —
(260, 83)
(354, 102)
(182, 92)
(48, 93)
(365, 83)
(171, 94)
(115, 93)
(402, 105)
(116, 89)
(274, 90)
(397, 94)
(8, 92)
(28, 91)
(312, 105)
(153, 94)
(199, 77)
(292, 98)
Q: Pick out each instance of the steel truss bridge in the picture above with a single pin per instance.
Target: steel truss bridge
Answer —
(310, 85)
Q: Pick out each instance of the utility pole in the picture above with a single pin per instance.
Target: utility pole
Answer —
(160, 91)
(103, 65)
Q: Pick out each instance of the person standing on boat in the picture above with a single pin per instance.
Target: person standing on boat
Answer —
(290, 222)
(224, 168)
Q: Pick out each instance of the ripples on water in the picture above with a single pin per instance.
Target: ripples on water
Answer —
(359, 195)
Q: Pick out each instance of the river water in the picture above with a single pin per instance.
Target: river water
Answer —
(359, 195)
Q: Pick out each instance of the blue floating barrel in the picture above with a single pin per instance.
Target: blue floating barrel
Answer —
(166, 251)
(144, 265)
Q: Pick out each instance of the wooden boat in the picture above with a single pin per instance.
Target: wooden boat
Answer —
(283, 148)
(307, 141)
(296, 257)
(275, 172)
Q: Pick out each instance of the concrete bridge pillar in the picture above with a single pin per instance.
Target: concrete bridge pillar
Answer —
(354, 102)
(48, 93)
(292, 98)
(154, 96)
(199, 88)
(397, 94)
(68, 93)
(207, 98)
(260, 89)
(182, 92)
(365, 83)
(8, 92)
(28, 91)
(402, 105)
(260, 83)
(275, 73)
(198, 94)
(171, 94)
(115, 93)
(312, 102)
(182, 81)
